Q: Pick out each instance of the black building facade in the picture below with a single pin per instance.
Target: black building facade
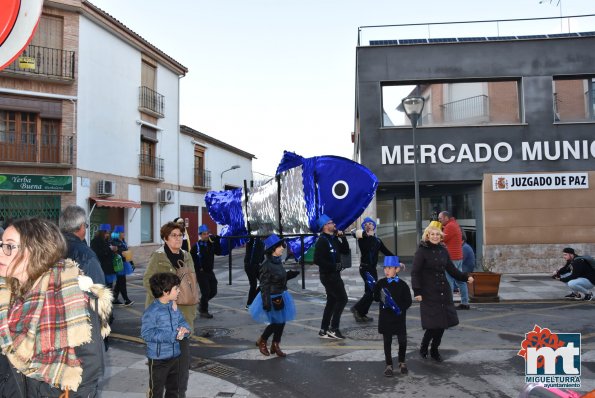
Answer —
(500, 113)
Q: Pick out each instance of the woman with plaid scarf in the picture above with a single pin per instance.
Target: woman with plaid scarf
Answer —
(52, 318)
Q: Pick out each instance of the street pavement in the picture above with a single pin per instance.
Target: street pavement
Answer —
(213, 376)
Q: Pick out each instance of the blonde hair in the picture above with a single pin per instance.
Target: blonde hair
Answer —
(429, 228)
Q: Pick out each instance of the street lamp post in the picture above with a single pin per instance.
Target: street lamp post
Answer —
(235, 166)
(413, 107)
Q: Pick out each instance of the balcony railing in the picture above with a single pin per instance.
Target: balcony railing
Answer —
(466, 109)
(151, 166)
(51, 150)
(151, 100)
(202, 178)
(50, 62)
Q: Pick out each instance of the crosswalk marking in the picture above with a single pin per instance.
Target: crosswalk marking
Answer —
(253, 355)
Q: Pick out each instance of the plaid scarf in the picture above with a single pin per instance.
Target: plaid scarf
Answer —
(39, 331)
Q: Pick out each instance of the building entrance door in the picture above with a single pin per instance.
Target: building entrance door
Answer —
(400, 212)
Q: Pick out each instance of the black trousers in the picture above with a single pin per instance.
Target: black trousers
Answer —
(184, 359)
(164, 375)
(388, 341)
(336, 299)
(434, 336)
(120, 287)
(207, 282)
(276, 329)
(252, 273)
(363, 305)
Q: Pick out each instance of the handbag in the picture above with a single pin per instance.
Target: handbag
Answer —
(188, 286)
(118, 263)
(278, 303)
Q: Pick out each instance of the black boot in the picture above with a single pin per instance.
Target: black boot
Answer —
(425, 342)
(435, 354)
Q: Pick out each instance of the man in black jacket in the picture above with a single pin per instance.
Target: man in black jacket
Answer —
(327, 256)
(370, 245)
(73, 223)
(203, 255)
(252, 260)
(578, 274)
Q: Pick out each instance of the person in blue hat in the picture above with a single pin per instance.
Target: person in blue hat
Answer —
(392, 321)
(274, 305)
(370, 245)
(119, 241)
(252, 260)
(203, 254)
(327, 255)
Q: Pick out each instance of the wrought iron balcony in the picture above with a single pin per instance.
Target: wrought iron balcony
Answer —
(467, 109)
(202, 178)
(151, 166)
(152, 101)
(47, 62)
(52, 150)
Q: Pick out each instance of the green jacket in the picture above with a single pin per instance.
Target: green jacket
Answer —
(160, 263)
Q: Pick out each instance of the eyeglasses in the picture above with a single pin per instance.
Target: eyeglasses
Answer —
(177, 236)
(7, 248)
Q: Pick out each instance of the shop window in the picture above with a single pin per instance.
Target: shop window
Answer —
(454, 103)
(574, 99)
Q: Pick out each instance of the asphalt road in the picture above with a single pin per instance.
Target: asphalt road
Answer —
(480, 354)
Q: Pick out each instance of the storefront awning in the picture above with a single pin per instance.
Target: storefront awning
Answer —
(105, 202)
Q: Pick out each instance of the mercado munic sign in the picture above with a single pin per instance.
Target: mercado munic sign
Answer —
(35, 182)
(482, 152)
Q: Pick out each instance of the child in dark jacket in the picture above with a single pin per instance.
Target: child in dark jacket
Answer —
(393, 309)
(162, 326)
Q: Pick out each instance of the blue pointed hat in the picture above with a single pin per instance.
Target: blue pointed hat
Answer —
(322, 220)
(119, 228)
(367, 220)
(203, 228)
(104, 227)
(271, 242)
(391, 261)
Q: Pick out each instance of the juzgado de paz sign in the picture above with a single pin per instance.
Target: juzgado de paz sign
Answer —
(525, 182)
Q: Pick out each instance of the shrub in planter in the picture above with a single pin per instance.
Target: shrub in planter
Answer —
(486, 283)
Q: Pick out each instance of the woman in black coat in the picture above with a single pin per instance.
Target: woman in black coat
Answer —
(432, 290)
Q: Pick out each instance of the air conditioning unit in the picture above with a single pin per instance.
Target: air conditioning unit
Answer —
(106, 188)
(166, 196)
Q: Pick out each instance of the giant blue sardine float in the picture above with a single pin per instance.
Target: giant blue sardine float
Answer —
(304, 189)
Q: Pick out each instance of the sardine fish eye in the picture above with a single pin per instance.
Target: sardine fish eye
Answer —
(340, 189)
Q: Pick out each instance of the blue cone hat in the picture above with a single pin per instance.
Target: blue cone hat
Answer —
(271, 242)
(392, 261)
(322, 220)
(119, 228)
(203, 228)
(367, 220)
(105, 227)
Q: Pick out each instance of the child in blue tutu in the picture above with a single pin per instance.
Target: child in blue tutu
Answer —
(274, 305)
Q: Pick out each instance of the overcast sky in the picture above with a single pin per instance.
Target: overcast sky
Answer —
(273, 75)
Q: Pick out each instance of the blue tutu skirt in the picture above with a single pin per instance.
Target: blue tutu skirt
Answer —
(127, 270)
(110, 278)
(285, 315)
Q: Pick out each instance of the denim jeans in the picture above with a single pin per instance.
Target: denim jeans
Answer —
(582, 285)
(462, 285)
